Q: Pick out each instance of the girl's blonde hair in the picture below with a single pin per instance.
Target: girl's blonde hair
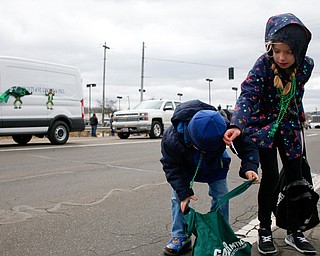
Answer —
(277, 80)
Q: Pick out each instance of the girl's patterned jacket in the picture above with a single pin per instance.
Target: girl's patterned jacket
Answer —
(258, 105)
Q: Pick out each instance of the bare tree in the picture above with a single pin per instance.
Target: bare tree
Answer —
(109, 108)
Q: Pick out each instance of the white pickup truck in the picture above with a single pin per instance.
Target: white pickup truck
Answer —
(151, 117)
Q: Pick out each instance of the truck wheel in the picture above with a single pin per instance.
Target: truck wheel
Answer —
(123, 135)
(59, 133)
(22, 139)
(156, 130)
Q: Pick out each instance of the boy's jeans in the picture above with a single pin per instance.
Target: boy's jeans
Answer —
(217, 190)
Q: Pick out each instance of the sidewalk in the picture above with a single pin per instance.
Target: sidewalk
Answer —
(250, 232)
(279, 234)
(313, 235)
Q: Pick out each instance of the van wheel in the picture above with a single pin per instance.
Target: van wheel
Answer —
(22, 139)
(123, 135)
(59, 133)
(156, 130)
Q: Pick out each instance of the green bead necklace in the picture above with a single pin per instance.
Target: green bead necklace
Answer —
(197, 169)
(284, 103)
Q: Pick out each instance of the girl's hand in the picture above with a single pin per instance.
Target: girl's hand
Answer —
(230, 135)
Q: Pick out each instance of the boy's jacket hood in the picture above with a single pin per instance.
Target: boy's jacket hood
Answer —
(186, 110)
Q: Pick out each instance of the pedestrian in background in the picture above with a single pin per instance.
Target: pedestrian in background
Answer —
(222, 112)
(270, 110)
(111, 125)
(94, 124)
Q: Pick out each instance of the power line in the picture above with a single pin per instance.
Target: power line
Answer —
(203, 64)
(193, 63)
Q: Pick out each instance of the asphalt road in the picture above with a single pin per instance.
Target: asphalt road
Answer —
(98, 196)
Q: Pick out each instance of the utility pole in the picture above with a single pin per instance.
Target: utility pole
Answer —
(142, 74)
(104, 81)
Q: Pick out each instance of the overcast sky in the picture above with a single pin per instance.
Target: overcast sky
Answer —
(186, 43)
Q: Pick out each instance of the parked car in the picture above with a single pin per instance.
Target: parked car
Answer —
(314, 121)
(106, 122)
(151, 117)
(307, 125)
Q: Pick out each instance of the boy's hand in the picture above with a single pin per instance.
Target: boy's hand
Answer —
(252, 175)
(185, 202)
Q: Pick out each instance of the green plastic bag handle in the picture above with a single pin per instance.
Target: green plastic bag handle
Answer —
(233, 193)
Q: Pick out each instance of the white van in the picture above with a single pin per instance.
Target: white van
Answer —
(41, 99)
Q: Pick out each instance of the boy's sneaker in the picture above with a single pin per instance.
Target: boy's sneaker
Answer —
(178, 246)
(300, 243)
(265, 242)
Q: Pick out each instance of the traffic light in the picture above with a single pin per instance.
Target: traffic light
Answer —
(231, 73)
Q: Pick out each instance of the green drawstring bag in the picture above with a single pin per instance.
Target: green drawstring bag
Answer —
(214, 236)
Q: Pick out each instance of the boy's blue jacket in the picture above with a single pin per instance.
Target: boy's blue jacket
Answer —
(179, 158)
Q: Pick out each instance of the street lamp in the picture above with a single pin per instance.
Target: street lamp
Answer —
(141, 93)
(119, 97)
(180, 95)
(235, 89)
(90, 86)
(209, 80)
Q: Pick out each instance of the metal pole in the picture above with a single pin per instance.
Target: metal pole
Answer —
(235, 89)
(209, 94)
(209, 80)
(128, 102)
(90, 111)
(142, 73)
(119, 97)
(104, 81)
(90, 87)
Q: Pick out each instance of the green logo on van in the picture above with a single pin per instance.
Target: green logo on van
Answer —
(17, 92)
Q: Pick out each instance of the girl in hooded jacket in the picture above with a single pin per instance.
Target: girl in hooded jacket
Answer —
(270, 110)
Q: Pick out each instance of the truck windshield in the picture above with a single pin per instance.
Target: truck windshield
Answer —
(153, 104)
